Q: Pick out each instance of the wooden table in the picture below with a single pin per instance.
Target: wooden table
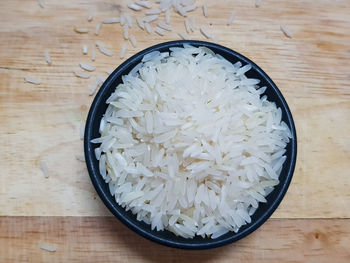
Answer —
(41, 123)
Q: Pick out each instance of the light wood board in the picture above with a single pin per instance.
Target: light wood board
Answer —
(41, 123)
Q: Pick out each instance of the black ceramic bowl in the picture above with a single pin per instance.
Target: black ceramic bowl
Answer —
(264, 211)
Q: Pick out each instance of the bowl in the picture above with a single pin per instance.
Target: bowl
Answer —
(167, 238)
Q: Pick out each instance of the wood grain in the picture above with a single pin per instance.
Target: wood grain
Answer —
(41, 123)
(104, 239)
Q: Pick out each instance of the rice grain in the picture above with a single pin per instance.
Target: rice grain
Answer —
(102, 48)
(85, 49)
(81, 74)
(44, 169)
(48, 57)
(90, 15)
(32, 80)
(286, 31)
(159, 31)
(133, 40)
(46, 247)
(165, 26)
(123, 51)
(230, 20)
(81, 30)
(205, 10)
(86, 67)
(145, 4)
(151, 18)
(135, 7)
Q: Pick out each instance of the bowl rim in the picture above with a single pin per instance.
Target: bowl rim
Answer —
(94, 176)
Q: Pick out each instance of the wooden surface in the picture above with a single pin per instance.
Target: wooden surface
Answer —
(41, 123)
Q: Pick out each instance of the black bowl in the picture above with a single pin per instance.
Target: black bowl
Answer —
(264, 211)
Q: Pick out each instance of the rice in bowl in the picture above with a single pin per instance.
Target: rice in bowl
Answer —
(190, 144)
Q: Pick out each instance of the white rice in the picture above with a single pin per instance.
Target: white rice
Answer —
(85, 49)
(167, 16)
(153, 12)
(41, 3)
(123, 51)
(81, 74)
(151, 18)
(230, 20)
(86, 66)
(44, 169)
(190, 8)
(165, 26)
(184, 36)
(81, 30)
(286, 31)
(159, 31)
(205, 10)
(90, 15)
(81, 130)
(47, 57)
(148, 28)
(128, 20)
(135, 7)
(47, 247)
(205, 33)
(258, 3)
(145, 4)
(102, 48)
(96, 85)
(32, 80)
(111, 20)
(133, 40)
(189, 145)
(140, 23)
(188, 25)
(126, 32)
(109, 71)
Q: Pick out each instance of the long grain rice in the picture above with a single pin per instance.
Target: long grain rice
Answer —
(32, 80)
(145, 4)
(86, 66)
(85, 49)
(48, 57)
(151, 18)
(165, 26)
(90, 16)
(286, 31)
(123, 51)
(81, 74)
(102, 48)
(81, 30)
(230, 20)
(135, 7)
(199, 170)
(205, 10)
(184, 36)
(44, 169)
(46, 247)
(111, 20)
(159, 31)
(133, 40)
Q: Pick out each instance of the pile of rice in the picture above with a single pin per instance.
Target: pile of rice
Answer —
(190, 144)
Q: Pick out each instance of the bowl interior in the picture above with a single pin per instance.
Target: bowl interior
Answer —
(264, 211)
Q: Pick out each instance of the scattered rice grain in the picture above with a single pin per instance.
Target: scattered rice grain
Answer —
(126, 32)
(48, 57)
(165, 26)
(81, 74)
(153, 12)
(183, 35)
(96, 85)
(151, 18)
(286, 31)
(123, 51)
(97, 29)
(102, 48)
(140, 23)
(111, 20)
(145, 4)
(47, 247)
(44, 169)
(85, 49)
(90, 15)
(86, 67)
(135, 7)
(205, 10)
(159, 31)
(232, 17)
(81, 30)
(32, 80)
(133, 40)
